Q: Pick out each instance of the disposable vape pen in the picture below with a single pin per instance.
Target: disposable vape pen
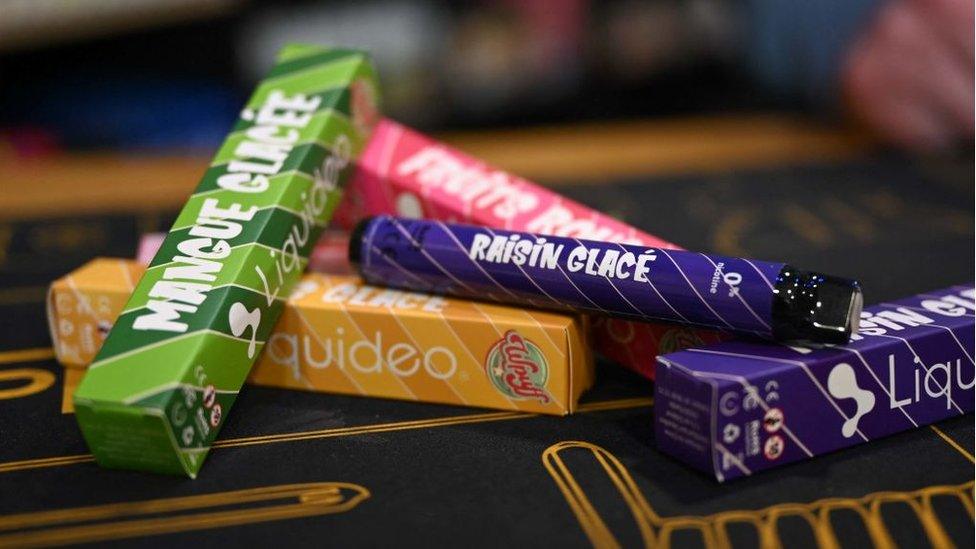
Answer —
(761, 298)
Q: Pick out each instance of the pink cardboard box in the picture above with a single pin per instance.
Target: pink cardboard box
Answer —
(404, 173)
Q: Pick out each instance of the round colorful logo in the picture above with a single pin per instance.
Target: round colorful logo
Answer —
(677, 339)
(517, 368)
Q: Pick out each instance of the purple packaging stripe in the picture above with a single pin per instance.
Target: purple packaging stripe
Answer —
(545, 271)
(736, 408)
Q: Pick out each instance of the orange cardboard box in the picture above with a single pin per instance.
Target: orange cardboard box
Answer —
(337, 335)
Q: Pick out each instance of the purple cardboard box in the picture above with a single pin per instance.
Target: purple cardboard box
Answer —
(735, 408)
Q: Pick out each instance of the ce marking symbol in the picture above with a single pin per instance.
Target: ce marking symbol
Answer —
(731, 401)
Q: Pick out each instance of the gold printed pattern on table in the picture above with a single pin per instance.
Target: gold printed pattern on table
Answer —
(28, 382)
(657, 531)
(183, 514)
(354, 430)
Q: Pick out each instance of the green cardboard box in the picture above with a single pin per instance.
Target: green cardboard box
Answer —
(169, 372)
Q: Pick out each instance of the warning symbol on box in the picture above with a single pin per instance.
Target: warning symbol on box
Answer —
(773, 420)
(774, 447)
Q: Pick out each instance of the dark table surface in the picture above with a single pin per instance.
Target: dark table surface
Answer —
(295, 467)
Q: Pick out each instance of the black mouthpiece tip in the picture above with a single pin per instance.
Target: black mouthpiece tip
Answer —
(814, 307)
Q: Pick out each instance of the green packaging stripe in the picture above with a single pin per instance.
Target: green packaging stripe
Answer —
(213, 314)
(204, 346)
(296, 194)
(332, 101)
(260, 281)
(156, 394)
(307, 80)
(286, 197)
(306, 158)
(310, 59)
(323, 126)
(271, 226)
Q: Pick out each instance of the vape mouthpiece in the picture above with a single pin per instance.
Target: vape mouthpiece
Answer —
(809, 306)
(750, 297)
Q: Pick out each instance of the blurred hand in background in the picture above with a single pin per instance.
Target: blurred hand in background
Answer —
(909, 74)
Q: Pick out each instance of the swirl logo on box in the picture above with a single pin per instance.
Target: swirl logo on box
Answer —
(518, 368)
(842, 383)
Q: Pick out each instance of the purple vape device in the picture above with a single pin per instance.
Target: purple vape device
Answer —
(736, 408)
(770, 300)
